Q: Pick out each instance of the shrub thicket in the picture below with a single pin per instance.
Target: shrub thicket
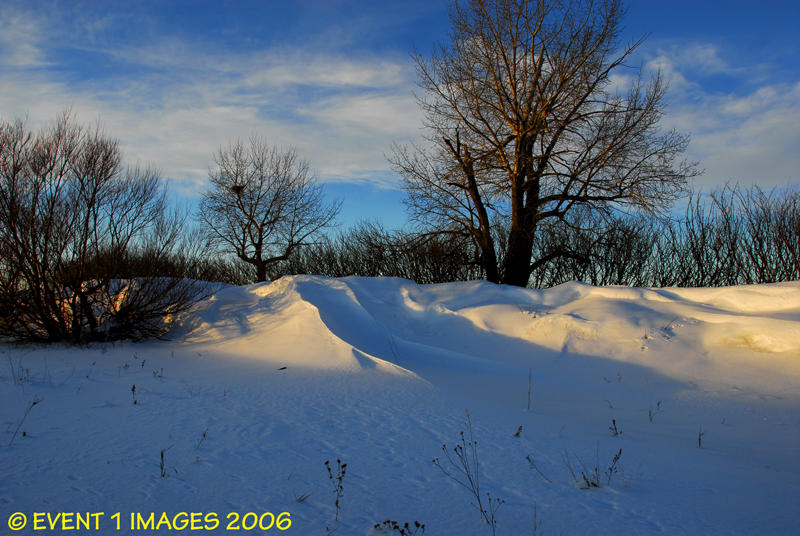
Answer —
(733, 236)
(88, 248)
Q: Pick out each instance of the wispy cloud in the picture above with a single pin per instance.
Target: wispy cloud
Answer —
(744, 128)
(702, 57)
(748, 139)
(389, 114)
(176, 101)
(308, 69)
(20, 39)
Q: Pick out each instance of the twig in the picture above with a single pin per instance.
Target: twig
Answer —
(33, 403)
(536, 468)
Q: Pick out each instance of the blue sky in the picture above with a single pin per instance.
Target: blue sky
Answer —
(175, 80)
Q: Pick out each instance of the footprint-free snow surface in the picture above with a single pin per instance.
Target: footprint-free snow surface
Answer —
(695, 391)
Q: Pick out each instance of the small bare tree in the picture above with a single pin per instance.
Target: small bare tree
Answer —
(263, 204)
(529, 120)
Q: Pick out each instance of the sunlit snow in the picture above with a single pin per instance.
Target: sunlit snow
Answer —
(264, 383)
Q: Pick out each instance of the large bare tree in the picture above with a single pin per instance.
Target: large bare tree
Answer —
(263, 204)
(532, 112)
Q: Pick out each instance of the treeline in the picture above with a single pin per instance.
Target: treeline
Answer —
(369, 250)
(90, 249)
(733, 236)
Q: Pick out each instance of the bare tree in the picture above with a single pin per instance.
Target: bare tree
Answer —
(81, 238)
(527, 122)
(264, 203)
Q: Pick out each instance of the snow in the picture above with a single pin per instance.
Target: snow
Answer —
(265, 383)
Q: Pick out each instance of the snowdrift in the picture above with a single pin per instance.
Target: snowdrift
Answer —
(698, 388)
(748, 335)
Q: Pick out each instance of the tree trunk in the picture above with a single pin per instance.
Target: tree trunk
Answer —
(518, 258)
(261, 271)
(489, 262)
(517, 269)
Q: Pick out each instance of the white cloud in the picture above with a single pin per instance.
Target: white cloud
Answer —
(748, 136)
(762, 100)
(20, 39)
(683, 58)
(309, 70)
(180, 102)
(183, 102)
(702, 56)
(369, 114)
(752, 139)
(669, 71)
(742, 122)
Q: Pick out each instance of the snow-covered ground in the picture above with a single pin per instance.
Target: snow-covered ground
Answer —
(267, 382)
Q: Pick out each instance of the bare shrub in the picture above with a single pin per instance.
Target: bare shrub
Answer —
(367, 249)
(732, 236)
(89, 247)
